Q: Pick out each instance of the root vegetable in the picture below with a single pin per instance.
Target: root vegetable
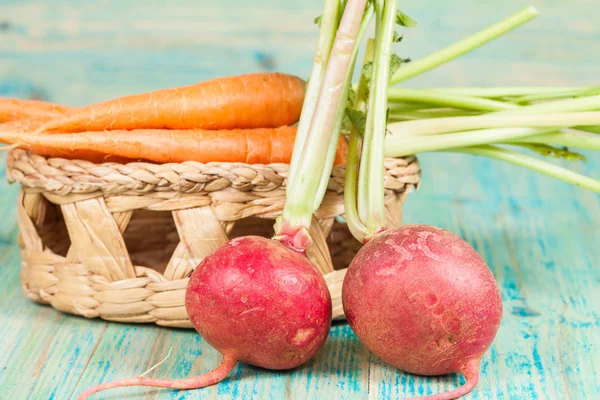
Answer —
(255, 301)
(421, 299)
(253, 146)
(258, 100)
(19, 109)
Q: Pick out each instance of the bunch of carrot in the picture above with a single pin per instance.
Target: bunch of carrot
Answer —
(246, 118)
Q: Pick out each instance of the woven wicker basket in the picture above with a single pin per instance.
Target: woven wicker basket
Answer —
(118, 241)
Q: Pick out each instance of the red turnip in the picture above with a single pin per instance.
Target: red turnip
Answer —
(424, 301)
(255, 301)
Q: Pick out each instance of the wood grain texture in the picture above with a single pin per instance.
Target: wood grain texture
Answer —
(539, 236)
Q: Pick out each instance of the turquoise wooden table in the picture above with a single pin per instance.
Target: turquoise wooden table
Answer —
(539, 236)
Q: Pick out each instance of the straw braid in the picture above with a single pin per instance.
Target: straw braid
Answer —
(63, 177)
(119, 241)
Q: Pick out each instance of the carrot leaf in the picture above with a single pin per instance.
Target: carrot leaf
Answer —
(533, 164)
(351, 96)
(459, 48)
(396, 62)
(404, 20)
(367, 71)
(556, 152)
(591, 129)
(358, 119)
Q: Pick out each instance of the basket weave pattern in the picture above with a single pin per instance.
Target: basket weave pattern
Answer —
(118, 241)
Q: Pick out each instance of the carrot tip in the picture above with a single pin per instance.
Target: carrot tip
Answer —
(11, 147)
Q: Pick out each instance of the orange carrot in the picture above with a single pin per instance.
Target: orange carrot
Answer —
(259, 100)
(253, 146)
(85, 155)
(17, 109)
(29, 125)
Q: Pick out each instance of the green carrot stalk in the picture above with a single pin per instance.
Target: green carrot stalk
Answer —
(459, 48)
(451, 134)
(402, 99)
(455, 124)
(328, 27)
(399, 106)
(557, 94)
(430, 114)
(502, 115)
(447, 100)
(589, 103)
(400, 146)
(591, 129)
(505, 91)
(355, 225)
(324, 181)
(533, 164)
(574, 139)
(292, 227)
(371, 205)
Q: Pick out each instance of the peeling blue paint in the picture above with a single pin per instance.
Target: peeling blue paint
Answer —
(524, 312)
(546, 266)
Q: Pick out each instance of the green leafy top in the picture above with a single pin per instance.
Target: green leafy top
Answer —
(556, 152)
(396, 62)
(404, 20)
(357, 118)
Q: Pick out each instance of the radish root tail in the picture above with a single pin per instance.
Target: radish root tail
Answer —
(471, 374)
(157, 365)
(208, 379)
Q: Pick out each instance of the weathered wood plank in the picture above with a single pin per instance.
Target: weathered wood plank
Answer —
(44, 352)
(338, 371)
(535, 233)
(8, 201)
(95, 53)
(538, 235)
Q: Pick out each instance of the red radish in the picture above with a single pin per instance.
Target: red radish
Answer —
(418, 297)
(255, 301)
(261, 302)
(423, 300)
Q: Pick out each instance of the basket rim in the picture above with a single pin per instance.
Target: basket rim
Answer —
(62, 176)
